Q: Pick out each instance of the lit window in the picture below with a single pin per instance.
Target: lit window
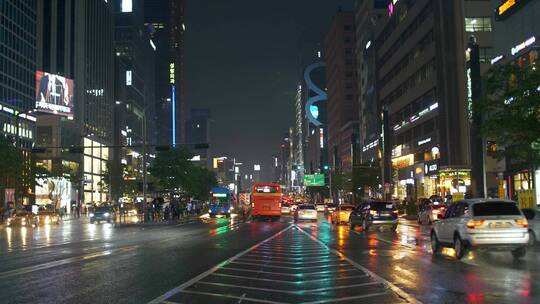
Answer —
(126, 6)
(478, 24)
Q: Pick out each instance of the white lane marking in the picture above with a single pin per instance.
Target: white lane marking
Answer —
(249, 287)
(293, 255)
(183, 286)
(286, 281)
(48, 265)
(265, 262)
(409, 298)
(230, 297)
(286, 258)
(291, 274)
(169, 302)
(295, 292)
(292, 268)
(369, 295)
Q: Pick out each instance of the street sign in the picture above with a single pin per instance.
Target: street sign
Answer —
(314, 180)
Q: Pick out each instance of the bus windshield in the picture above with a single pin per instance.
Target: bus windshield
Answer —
(219, 201)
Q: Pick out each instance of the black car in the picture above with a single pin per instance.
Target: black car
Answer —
(102, 214)
(374, 214)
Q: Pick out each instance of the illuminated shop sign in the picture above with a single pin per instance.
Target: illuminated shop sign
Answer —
(321, 138)
(518, 48)
(370, 145)
(172, 80)
(431, 168)
(417, 116)
(497, 59)
(424, 141)
(508, 7)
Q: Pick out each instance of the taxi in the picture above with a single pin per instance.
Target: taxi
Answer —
(342, 214)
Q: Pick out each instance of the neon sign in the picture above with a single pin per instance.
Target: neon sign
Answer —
(518, 48)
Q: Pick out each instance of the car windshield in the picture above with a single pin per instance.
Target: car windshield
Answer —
(495, 209)
(103, 209)
(382, 206)
(307, 207)
(331, 205)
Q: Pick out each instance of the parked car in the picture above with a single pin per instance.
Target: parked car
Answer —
(482, 224)
(22, 218)
(374, 214)
(342, 213)
(533, 217)
(305, 212)
(102, 214)
(431, 212)
(46, 217)
(285, 208)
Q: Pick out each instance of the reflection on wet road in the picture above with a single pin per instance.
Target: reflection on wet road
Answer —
(77, 262)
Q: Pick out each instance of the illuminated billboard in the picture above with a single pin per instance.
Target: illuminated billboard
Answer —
(54, 94)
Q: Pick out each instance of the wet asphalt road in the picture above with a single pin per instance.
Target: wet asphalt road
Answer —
(227, 261)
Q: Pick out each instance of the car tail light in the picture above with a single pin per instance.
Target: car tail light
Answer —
(279, 205)
(523, 223)
(474, 224)
(372, 212)
(252, 205)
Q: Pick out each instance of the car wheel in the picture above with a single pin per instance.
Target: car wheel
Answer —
(519, 252)
(459, 247)
(532, 238)
(435, 245)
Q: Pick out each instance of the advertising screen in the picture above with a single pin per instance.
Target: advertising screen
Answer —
(54, 94)
(315, 180)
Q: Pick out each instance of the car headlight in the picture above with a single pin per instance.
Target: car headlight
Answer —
(209, 210)
(91, 215)
(106, 214)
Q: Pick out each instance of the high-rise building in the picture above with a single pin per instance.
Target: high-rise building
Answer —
(134, 90)
(76, 70)
(166, 20)
(17, 78)
(420, 53)
(199, 131)
(369, 14)
(516, 36)
(342, 89)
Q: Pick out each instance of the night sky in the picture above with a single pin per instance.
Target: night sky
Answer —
(242, 63)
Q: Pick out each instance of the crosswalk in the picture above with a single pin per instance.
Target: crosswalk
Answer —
(289, 267)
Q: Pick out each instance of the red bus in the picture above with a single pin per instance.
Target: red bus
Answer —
(266, 200)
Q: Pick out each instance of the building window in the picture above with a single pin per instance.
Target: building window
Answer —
(478, 24)
(485, 54)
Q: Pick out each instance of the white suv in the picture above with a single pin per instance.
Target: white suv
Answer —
(481, 223)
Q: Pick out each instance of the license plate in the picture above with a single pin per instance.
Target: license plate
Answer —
(266, 207)
(499, 225)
